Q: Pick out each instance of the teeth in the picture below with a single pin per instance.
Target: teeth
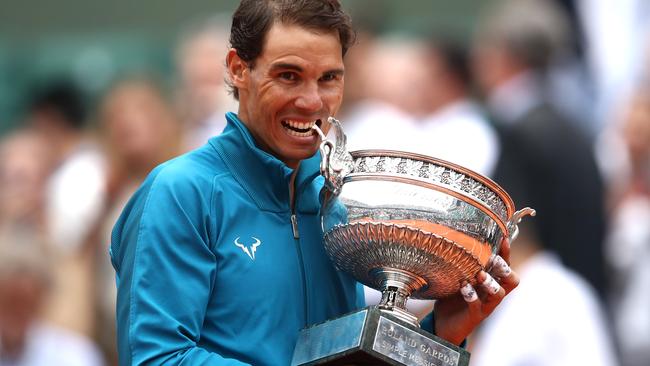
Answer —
(300, 134)
(291, 127)
(300, 125)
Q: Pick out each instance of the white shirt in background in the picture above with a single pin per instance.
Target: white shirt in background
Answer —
(75, 197)
(52, 346)
(461, 134)
(551, 319)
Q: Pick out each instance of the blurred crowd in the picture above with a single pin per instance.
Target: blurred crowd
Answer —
(535, 100)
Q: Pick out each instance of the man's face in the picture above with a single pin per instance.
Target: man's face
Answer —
(296, 81)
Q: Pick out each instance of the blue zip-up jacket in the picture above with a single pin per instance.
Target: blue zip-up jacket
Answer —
(208, 269)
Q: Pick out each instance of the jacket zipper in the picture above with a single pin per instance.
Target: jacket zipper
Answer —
(294, 225)
(296, 237)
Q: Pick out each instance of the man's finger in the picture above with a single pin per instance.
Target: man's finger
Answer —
(492, 290)
(504, 250)
(474, 305)
(499, 268)
(490, 285)
(469, 293)
(502, 272)
(509, 282)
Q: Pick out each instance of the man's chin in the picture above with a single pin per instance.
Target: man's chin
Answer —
(306, 154)
(299, 155)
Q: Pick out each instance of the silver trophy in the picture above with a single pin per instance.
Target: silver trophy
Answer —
(410, 226)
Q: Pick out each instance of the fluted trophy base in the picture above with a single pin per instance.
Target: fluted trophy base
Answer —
(372, 336)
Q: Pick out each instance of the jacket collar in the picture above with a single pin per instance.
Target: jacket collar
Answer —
(264, 177)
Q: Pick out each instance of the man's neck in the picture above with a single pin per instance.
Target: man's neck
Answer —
(65, 144)
(514, 97)
(453, 94)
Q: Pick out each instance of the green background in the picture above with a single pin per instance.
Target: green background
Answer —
(95, 42)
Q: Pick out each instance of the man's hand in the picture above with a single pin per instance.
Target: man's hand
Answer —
(457, 316)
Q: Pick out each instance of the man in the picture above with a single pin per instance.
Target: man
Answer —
(75, 189)
(26, 337)
(219, 255)
(548, 164)
(73, 197)
(458, 125)
(545, 161)
(202, 98)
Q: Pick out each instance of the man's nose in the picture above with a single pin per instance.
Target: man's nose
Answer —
(310, 99)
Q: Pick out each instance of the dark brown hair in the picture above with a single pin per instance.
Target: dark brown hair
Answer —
(253, 19)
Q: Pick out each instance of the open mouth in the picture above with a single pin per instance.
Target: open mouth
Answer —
(300, 129)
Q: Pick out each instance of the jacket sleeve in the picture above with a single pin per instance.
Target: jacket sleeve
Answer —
(165, 272)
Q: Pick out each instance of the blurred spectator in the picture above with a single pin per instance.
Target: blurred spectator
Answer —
(420, 104)
(628, 245)
(380, 112)
(25, 338)
(141, 131)
(75, 189)
(553, 318)
(384, 113)
(616, 36)
(24, 167)
(356, 90)
(203, 97)
(545, 161)
(73, 198)
(455, 128)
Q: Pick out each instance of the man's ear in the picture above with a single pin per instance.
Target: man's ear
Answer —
(238, 71)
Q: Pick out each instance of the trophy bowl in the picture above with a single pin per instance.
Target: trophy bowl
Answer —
(408, 225)
(411, 225)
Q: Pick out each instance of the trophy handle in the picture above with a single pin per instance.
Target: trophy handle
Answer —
(513, 229)
(336, 161)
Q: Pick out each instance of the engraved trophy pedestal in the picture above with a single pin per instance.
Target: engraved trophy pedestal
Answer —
(408, 225)
(372, 336)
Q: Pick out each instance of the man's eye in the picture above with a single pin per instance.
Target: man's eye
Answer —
(328, 77)
(289, 76)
